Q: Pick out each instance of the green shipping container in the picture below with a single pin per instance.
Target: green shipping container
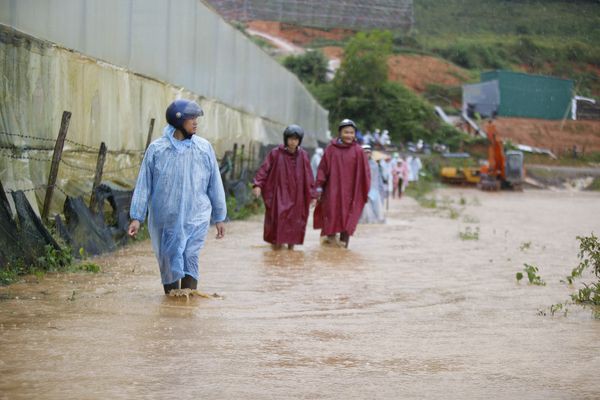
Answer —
(532, 96)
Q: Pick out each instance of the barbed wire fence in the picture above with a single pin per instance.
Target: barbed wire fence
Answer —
(92, 231)
(236, 165)
(35, 144)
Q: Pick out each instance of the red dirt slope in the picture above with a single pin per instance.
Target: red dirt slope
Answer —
(416, 71)
(296, 34)
(553, 135)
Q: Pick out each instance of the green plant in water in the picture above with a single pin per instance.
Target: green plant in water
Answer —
(420, 191)
(519, 276)
(54, 259)
(589, 294)
(82, 253)
(532, 276)
(39, 274)
(525, 246)
(470, 219)
(86, 267)
(255, 206)
(51, 260)
(453, 213)
(143, 234)
(595, 185)
(469, 234)
(554, 308)
(8, 275)
(427, 202)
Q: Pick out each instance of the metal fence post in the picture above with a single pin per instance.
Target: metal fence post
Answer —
(98, 176)
(58, 148)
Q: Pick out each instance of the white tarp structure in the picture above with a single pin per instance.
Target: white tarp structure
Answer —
(181, 42)
(131, 59)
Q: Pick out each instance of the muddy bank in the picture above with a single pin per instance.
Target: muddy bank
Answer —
(563, 177)
(409, 311)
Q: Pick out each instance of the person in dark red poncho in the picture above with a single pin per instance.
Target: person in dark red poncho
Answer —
(342, 185)
(285, 182)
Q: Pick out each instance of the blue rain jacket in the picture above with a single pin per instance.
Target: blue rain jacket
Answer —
(180, 185)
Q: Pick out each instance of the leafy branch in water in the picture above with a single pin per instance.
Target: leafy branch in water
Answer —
(589, 258)
(589, 294)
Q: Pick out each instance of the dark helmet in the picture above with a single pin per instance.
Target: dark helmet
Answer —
(347, 122)
(293, 130)
(180, 110)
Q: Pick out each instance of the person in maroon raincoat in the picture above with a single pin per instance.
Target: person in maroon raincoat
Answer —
(285, 182)
(342, 185)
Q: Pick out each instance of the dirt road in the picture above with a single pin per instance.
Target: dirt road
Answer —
(411, 310)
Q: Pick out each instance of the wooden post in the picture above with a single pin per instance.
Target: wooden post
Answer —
(232, 176)
(149, 139)
(242, 160)
(58, 148)
(249, 156)
(98, 176)
(251, 160)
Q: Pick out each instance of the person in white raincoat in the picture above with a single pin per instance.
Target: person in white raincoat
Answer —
(180, 186)
(373, 212)
(316, 160)
(386, 175)
(415, 168)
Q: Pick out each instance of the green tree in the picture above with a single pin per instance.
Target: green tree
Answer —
(361, 78)
(361, 91)
(310, 67)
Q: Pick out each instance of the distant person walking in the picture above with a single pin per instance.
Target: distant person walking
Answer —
(315, 161)
(415, 168)
(373, 212)
(180, 185)
(342, 185)
(386, 175)
(400, 174)
(285, 182)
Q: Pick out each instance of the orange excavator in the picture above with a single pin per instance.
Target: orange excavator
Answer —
(503, 170)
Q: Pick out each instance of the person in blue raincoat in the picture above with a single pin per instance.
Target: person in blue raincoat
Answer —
(180, 186)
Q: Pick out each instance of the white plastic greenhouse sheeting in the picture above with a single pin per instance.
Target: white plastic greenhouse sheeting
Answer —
(181, 42)
(108, 104)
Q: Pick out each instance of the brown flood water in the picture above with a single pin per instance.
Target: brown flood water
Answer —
(409, 311)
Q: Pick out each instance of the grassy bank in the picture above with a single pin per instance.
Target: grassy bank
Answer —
(556, 21)
(557, 38)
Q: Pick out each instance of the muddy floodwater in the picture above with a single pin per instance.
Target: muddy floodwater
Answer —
(410, 310)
